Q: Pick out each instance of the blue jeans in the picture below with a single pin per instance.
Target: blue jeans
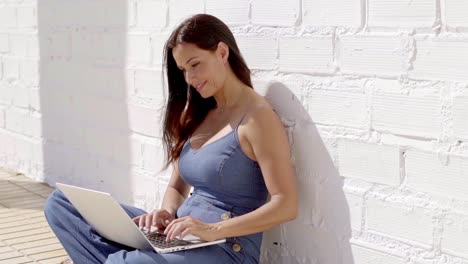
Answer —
(84, 245)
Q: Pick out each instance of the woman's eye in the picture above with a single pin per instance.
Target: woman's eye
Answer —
(195, 65)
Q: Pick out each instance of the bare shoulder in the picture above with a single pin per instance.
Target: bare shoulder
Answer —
(261, 126)
(261, 114)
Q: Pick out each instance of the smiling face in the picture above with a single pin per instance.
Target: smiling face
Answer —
(205, 70)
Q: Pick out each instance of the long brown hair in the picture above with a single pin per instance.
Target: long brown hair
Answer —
(185, 108)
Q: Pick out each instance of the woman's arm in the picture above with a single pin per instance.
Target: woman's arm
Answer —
(176, 192)
(269, 142)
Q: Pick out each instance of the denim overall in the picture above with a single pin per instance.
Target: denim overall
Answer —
(227, 183)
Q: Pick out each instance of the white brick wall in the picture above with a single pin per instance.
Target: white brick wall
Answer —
(441, 59)
(337, 108)
(285, 13)
(455, 240)
(460, 115)
(375, 104)
(369, 162)
(151, 14)
(180, 9)
(230, 12)
(306, 55)
(355, 203)
(372, 55)
(400, 222)
(402, 13)
(258, 52)
(441, 174)
(453, 13)
(332, 13)
(363, 255)
(415, 116)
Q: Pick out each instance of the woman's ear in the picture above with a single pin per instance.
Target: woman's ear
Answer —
(223, 51)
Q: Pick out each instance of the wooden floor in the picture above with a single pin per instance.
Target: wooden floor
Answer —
(25, 236)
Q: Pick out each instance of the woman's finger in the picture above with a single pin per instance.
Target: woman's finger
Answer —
(186, 232)
(172, 223)
(148, 221)
(156, 218)
(141, 223)
(136, 219)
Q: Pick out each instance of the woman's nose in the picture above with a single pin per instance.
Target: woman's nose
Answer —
(188, 77)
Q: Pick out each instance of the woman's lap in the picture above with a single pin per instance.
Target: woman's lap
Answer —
(206, 255)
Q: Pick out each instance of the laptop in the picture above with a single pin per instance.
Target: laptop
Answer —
(111, 221)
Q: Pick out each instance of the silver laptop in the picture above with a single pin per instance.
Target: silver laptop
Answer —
(111, 221)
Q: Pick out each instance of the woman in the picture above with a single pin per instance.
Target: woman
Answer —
(224, 140)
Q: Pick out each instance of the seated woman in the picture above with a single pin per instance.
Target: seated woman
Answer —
(224, 140)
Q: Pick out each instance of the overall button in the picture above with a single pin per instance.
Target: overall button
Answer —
(236, 247)
(225, 216)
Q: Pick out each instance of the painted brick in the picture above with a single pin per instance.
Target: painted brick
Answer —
(2, 117)
(275, 13)
(20, 96)
(152, 156)
(355, 203)
(138, 49)
(258, 52)
(70, 14)
(364, 255)
(455, 236)
(102, 113)
(402, 13)
(6, 93)
(151, 14)
(441, 60)
(98, 141)
(7, 17)
(337, 108)
(460, 115)
(4, 43)
(157, 44)
(29, 71)
(18, 45)
(371, 55)
(148, 83)
(454, 13)
(120, 14)
(131, 14)
(110, 49)
(27, 16)
(437, 174)
(82, 43)
(144, 120)
(306, 54)
(10, 68)
(136, 150)
(332, 13)
(413, 224)
(34, 99)
(18, 120)
(230, 12)
(59, 46)
(416, 116)
(182, 9)
(369, 162)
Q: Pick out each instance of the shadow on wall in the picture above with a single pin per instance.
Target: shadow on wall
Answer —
(321, 233)
(83, 94)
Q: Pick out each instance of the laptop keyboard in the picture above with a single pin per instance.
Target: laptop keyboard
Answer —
(159, 240)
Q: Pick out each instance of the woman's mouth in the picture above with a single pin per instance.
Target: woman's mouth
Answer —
(200, 87)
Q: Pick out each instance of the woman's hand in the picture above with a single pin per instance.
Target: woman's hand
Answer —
(190, 226)
(159, 218)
